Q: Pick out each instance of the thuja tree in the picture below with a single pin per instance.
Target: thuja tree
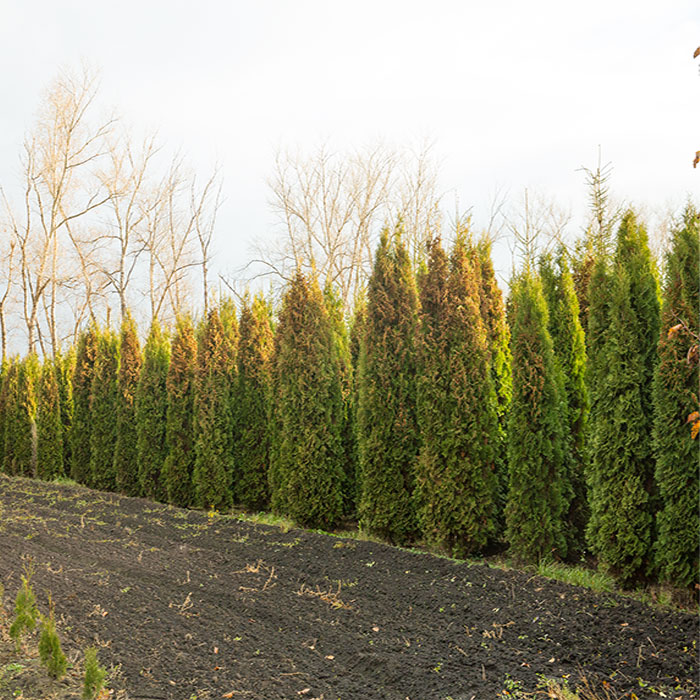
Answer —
(357, 329)
(104, 399)
(83, 374)
(151, 410)
(48, 424)
(253, 395)
(621, 420)
(537, 494)
(307, 475)
(341, 353)
(20, 421)
(493, 316)
(65, 368)
(675, 398)
(570, 354)
(455, 478)
(388, 435)
(4, 406)
(126, 453)
(8, 398)
(179, 425)
(212, 475)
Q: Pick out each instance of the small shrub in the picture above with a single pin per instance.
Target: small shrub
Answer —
(50, 652)
(94, 678)
(26, 612)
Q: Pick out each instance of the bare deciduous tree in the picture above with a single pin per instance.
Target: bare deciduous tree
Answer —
(331, 206)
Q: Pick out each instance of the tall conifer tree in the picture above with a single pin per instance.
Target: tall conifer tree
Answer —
(341, 353)
(12, 410)
(622, 465)
(570, 354)
(253, 405)
(455, 478)
(493, 316)
(83, 374)
(126, 453)
(307, 475)
(675, 398)
(212, 476)
(151, 412)
(104, 399)
(179, 429)
(388, 434)
(49, 426)
(538, 489)
(65, 368)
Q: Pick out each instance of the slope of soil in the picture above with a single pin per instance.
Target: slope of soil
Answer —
(192, 606)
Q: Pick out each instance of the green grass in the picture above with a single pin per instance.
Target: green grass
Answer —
(577, 576)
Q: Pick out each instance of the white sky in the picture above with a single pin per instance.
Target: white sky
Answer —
(514, 94)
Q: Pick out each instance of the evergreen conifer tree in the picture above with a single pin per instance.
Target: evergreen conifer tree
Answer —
(151, 413)
(570, 355)
(20, 428)
(388, 435)
(455, 478)
(179, 428)
(306, 471)
(104, 399)
(4, 406)
(65, 368)
(49, 426)
(212, 476)
(348, 432)
(126, 451)
(622, 466)
(675, 398)
(537, 494)
(357, 330)
(10, 402)
(253, 405)
(81, 429)
(493, 316)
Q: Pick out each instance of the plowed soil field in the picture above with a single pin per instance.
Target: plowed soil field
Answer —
(190, 606)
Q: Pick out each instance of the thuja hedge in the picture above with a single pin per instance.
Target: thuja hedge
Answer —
(426, 413)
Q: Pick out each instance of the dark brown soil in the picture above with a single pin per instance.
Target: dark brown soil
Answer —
(190, 605)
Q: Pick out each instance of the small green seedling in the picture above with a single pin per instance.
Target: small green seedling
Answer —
(95, 675)
(50, 652)
(26, 612)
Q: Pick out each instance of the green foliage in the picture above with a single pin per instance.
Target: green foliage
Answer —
(49, 424)
(20, 419)
(4, 407)
(348, 432)
(623, 352)
(50, 652)
(570, 355)
(94, 677)
(455, 478)
(537, 494)
(65, 367)
(26, 612)
(493, 317)
(253, 398)
(83, 375)
(126, 450)
(179, 425)
(675, 397)
(388, 434)
(306, 470)
(212, 473)
(10, 400)
(151, 413)
(104, 399)
(357, 330)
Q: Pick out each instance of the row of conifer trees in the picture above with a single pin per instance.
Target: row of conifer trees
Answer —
(438, 412)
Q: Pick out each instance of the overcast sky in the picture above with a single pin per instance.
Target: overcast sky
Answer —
(514, 94)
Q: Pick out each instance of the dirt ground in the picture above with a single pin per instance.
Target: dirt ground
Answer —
(190, 606)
